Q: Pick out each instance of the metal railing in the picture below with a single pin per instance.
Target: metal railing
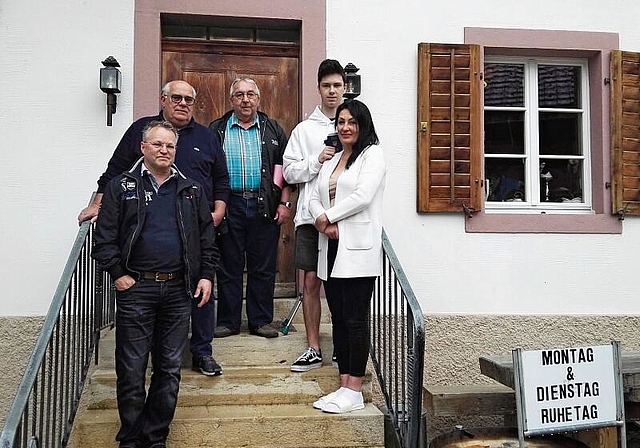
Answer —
(47, 399)
(397, 349)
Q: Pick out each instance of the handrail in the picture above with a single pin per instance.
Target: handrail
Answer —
(397, 349)
(47, 398)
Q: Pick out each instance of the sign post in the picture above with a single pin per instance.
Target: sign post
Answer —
(568, 389)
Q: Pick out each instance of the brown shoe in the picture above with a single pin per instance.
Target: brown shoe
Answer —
(265, 331)
(223, 332)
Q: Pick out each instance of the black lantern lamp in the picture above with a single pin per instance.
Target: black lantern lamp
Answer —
(352, 88)
(110, 82)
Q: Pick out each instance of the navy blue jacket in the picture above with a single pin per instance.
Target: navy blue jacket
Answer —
(122, 216)
(198, 156)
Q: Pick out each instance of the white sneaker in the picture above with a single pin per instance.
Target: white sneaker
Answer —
(322, 401)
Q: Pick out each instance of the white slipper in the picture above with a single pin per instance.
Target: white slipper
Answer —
(320, 402)
(342, 403)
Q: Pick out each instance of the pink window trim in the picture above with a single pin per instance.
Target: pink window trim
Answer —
(147, 48)
(596, 47)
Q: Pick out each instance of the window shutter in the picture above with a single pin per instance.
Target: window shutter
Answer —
(625, 132)
(449, 128)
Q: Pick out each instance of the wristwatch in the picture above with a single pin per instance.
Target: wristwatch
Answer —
(286, 204)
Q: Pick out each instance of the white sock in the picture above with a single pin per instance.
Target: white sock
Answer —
(354, 396)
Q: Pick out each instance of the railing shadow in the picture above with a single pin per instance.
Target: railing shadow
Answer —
(48, 396)
(397, 350)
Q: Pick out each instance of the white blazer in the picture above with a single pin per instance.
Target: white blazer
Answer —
(357, 210)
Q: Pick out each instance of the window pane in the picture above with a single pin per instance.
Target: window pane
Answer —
(559, 86)
(503, 132)
(560, 134)
(505, 85)
(504, 180)
(561, 180)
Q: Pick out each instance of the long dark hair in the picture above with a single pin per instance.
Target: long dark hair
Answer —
(366, 130)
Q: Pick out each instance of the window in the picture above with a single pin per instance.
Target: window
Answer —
(522, 134)
(536, 136)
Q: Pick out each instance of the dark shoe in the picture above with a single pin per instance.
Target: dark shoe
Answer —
(206, 365)
(223, 332)
(265, 331)
(310, 359)
(334, 360)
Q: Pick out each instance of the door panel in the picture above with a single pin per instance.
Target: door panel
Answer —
(211, 74)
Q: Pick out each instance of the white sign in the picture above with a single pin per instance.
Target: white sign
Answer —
(568, 388)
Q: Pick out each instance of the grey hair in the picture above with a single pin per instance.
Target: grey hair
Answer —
(158, 124)
(249, 80)
(167, 87)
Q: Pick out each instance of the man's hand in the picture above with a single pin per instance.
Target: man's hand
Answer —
(327, 154)
(92, 210)
(217, 218)
(322, 222)
(283, 214)
(123, 283)
(203, 290)
(89, 212)
(332, 231)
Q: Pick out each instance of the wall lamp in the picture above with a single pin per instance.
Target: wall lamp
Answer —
(110, 83)
(352, 88)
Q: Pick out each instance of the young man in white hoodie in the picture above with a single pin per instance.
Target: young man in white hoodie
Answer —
(303, 157)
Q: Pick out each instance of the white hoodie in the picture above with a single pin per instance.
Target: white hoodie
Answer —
(300, 160)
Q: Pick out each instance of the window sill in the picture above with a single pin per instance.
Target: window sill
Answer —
(542, 223)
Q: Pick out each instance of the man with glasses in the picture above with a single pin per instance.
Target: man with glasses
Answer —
(259, 203)
(155, 237)
(199, 157)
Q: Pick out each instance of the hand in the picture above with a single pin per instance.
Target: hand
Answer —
(332, 231)
(203, 290)
(283, 214)
(217, 218)
(322, 222)
(326, 154)
(123, 283)
(89, 212)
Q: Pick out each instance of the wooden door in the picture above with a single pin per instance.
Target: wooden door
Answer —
(210, 69)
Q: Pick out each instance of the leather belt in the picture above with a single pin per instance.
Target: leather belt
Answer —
(162, 276)
(246, 194)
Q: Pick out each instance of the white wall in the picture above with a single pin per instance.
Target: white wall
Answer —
(452, 271)
(55, 145)
(55, 142)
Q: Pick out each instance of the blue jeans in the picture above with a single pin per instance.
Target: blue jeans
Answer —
(150, 316)
(203, 321)
(256, 238)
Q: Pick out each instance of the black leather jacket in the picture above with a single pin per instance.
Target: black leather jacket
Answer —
(122, 215)
(274, 140)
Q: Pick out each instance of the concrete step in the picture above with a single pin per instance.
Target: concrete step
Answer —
(259, 386)
(247, 426)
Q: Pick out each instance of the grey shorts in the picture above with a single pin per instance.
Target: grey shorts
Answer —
(306, 248)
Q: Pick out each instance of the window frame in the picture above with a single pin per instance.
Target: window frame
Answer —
(596, 47)
(532, 154)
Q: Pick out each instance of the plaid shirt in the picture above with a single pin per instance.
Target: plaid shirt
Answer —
(244, 155)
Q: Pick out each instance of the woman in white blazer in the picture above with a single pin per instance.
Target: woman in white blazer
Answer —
(347, 207)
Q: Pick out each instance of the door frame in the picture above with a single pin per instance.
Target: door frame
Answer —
(147, 50)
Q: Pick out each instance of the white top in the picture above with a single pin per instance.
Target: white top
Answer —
(300, 160)
(357, 210)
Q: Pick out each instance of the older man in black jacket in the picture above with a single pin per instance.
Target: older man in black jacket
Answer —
(155, 237)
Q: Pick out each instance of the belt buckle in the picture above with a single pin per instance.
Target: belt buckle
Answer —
(162, 277)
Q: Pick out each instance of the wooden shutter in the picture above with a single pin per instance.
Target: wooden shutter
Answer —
(625, 132)
(449, 128)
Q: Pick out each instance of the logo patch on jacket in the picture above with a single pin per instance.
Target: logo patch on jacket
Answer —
(274, 142)
(195, 148)
(128, 184)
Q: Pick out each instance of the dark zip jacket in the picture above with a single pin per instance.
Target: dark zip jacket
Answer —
(122, 216)
(274, 140)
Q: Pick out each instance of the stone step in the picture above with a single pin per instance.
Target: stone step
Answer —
(247, 426)
(257, 386)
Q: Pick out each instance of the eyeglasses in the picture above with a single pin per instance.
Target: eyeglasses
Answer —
(177, 99)
(250, 95)
(160, 145)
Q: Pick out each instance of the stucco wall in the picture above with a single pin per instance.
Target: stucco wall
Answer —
(17, 339)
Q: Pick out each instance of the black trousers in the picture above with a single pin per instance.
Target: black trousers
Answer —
(349, 301)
